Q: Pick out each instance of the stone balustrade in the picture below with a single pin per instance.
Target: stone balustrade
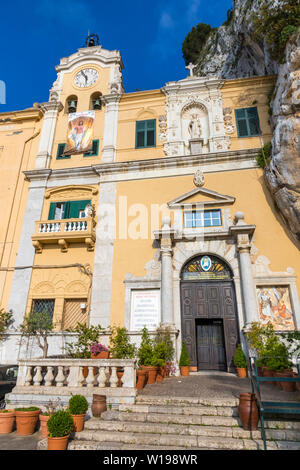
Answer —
(40, 380)
(90, 373)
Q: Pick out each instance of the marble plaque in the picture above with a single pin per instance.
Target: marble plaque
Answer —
(145, 309)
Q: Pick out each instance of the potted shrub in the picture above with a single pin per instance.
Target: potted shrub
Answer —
(257, 337)
(7, 421)
(60, 426)
(145, 353)
(163, 335)
(121, 347)
(51, 407)
(278, 362)
(86, 336)
(184, 361)
(78, 406)
(240, 362)
(160, 352)
(38, 325)
(26, 419)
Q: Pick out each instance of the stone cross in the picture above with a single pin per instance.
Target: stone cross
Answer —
(191, 67)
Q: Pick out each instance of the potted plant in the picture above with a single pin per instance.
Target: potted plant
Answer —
(121, 347)
(279, 363)
(145, 353)
(78, 406)
(26, 419)
(240, 362)
(7, 421)
(60, 426)
(51, 407)
(169, 368)
(184, 361)
(257, 337)
(160, 352)
(85, 337)
(164, 335)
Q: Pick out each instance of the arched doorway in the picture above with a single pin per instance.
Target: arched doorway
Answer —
(209, 323)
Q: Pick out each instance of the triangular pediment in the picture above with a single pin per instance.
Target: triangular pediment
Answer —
(206, 197)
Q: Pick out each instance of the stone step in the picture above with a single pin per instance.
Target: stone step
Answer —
(193, 410)
(200, 420)
(182, 401)
(125, 440)
(218, 430)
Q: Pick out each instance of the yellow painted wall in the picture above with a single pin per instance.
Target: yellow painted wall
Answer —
(271, 238)
(19, 140)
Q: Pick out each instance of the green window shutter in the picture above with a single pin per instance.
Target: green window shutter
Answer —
(60, 151)
(145, 133)
(76, 207)
(52, 211)
(95, 149)
(247, 122)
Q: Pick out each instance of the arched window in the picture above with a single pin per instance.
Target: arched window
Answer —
(206, 267)
(95, 101)
(71, 104)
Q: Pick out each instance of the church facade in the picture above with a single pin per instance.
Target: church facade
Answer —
(144, 208)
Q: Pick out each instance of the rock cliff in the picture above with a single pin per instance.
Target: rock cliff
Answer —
(233, 51)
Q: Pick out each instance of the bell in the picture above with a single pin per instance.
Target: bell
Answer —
(72, 105)
(97, 103)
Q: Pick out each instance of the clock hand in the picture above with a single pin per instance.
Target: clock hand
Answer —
(85, 76)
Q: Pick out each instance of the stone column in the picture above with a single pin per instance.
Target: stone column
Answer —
(243, 234)
(167, 317)
(110, 127)
(51, 111)
(23, 268)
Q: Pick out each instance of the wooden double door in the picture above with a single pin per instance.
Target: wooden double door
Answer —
(209, 323)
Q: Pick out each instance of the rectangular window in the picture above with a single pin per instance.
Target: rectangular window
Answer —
(60, 152)
(247, 122)
(145, 134)
(197, 219)
(95, 150)
(67, 209)
(43, 305)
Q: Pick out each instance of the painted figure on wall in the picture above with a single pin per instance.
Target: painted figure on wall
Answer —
(80, 132)
(275, 307)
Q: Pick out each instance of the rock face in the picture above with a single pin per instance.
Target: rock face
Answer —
(283, 174)
(232, 51)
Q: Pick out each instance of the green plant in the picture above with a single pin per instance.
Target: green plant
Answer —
(184, 356)
(258, 334)
(145, 350)
(239, 358)
(60, 424)
(292, 338)
(163, 335)
(195, 42)
(86, 336)
(264, 155)
(29, 408)
(78, 405)
(276, 356)
(120, 345)
(6, 320)
(275, 24)
(38, 325)
(159, 355)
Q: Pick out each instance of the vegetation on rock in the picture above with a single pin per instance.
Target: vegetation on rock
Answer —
(195, 41)
(264, 155)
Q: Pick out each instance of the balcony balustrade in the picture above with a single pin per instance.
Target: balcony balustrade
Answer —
(63, 232)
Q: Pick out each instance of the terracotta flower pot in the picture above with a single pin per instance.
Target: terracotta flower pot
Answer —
(78, 421)
(277, 383)
(152, 372)
(58, 443)
(267, 373)
(248, 411)
(242, 372)
(141, 378)
(101, 355)
(160, 374)
(184, 370)
(43, 421)
(98, 405)
(120, 374)
(7, 420)
(26, 421)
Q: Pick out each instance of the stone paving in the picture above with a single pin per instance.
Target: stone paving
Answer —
(215, 385)
(14, 442)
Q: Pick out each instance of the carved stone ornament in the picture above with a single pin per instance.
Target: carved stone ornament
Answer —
(199, 178)
(163, 127)
(228, 124)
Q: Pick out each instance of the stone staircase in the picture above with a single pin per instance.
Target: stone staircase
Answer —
(173, 423)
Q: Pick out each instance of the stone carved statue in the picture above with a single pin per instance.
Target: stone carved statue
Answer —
(199, 178)
(195, 128)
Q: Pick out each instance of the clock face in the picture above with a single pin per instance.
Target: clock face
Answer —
(86, 77)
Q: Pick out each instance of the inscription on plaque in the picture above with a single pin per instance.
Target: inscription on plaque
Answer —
(145, 309)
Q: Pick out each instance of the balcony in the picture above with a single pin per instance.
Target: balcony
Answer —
(63, 232)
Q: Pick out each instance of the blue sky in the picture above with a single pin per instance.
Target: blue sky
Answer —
(34, 35)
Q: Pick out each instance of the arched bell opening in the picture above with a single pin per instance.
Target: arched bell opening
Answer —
(209, 321)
